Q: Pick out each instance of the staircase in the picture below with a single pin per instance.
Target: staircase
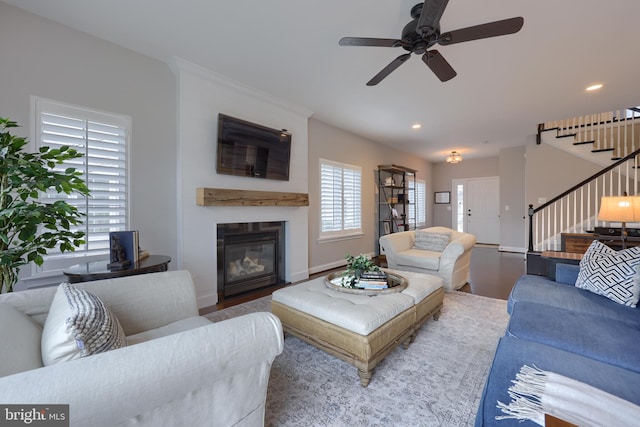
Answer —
(615, 134)
(611, 140)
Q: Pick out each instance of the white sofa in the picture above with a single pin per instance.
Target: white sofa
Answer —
(452, 264)
(178, 369)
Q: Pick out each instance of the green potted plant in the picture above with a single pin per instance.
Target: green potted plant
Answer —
(29, 225)
(355, 267)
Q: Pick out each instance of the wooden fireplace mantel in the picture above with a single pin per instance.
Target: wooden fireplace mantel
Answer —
(226, 197)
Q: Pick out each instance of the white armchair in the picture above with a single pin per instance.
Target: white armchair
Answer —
(451, 263)
(177, 369)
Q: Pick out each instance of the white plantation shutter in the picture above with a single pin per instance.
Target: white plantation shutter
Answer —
(351, 194)
(421, 202)
(340, 199)
(330, 197)
(103, 139)
(417, 209)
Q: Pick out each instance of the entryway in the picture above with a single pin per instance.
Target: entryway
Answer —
(476, 208)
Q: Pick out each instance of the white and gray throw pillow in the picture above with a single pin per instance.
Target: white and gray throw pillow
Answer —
(78, 325)
(610, 273)
(431, 240)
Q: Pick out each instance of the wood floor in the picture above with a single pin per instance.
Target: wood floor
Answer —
(492, 274)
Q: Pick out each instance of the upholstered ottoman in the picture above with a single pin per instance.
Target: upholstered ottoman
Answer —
(358, 329)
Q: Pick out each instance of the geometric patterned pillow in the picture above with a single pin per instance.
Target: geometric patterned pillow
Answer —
(610, 273)
(431, 241)
(78, 325)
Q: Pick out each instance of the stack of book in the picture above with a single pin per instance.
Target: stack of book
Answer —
(373, 280)
(125, 249)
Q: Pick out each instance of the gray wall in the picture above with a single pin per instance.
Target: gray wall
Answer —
(45, 59)
(331, 143)
(550, 171)
(513, 209)
(444, 173)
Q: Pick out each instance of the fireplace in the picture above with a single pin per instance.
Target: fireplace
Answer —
(250, 256)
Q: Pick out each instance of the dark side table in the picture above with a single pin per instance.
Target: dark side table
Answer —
(98, 270)
(553, 258)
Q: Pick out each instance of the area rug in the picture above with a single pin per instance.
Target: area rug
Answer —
(437, 381)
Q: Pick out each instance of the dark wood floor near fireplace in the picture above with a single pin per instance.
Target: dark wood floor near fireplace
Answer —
(493, 274)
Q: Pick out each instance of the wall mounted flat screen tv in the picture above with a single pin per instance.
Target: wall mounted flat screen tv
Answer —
(249, 149)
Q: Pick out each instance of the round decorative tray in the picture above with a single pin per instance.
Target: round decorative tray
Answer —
(396, 283)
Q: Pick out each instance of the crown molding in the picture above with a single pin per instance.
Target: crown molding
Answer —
(179, 66)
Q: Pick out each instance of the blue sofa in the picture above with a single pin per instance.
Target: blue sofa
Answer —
(558, 327)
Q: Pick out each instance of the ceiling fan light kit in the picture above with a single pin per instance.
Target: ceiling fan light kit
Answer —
(423, 32)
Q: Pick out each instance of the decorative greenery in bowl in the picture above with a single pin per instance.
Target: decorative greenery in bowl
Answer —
(355, 267)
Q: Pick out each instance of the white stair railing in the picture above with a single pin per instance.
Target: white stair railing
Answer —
(617, 131)
(576, 210)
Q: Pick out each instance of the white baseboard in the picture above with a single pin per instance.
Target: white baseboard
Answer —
(332, 265)
(512, 249)
(329, 266)
(207, 300)
(299, 276)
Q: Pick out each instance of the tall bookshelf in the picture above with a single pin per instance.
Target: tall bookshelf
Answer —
(396, 195)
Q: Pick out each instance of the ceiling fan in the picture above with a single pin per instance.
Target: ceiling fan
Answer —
(423, 32)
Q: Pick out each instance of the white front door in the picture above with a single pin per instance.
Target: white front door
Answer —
(476, 210)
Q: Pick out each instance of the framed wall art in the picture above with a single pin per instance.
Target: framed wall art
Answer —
(442, 197)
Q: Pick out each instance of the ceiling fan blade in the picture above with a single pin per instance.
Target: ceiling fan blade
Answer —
(429, 21)
(482, 31)
(365, 41)
(388, 69)
(439, 65)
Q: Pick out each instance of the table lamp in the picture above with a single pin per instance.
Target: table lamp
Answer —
(621, 209)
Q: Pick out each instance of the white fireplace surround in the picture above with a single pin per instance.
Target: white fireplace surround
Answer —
(202, 95)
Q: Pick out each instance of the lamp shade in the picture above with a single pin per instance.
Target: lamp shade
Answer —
(620, 209)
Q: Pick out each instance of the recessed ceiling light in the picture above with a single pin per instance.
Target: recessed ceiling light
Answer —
(416, 126)
(594, 87)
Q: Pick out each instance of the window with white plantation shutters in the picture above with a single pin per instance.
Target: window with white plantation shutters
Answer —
(340, 199)
(417, 210)
(103, 139)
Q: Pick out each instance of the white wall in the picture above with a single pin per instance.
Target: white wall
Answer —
(46, 59)
(201, 96)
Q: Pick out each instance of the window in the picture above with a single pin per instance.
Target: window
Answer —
(103, 139)
(417, 210)
(460, 208)
(340, 199)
